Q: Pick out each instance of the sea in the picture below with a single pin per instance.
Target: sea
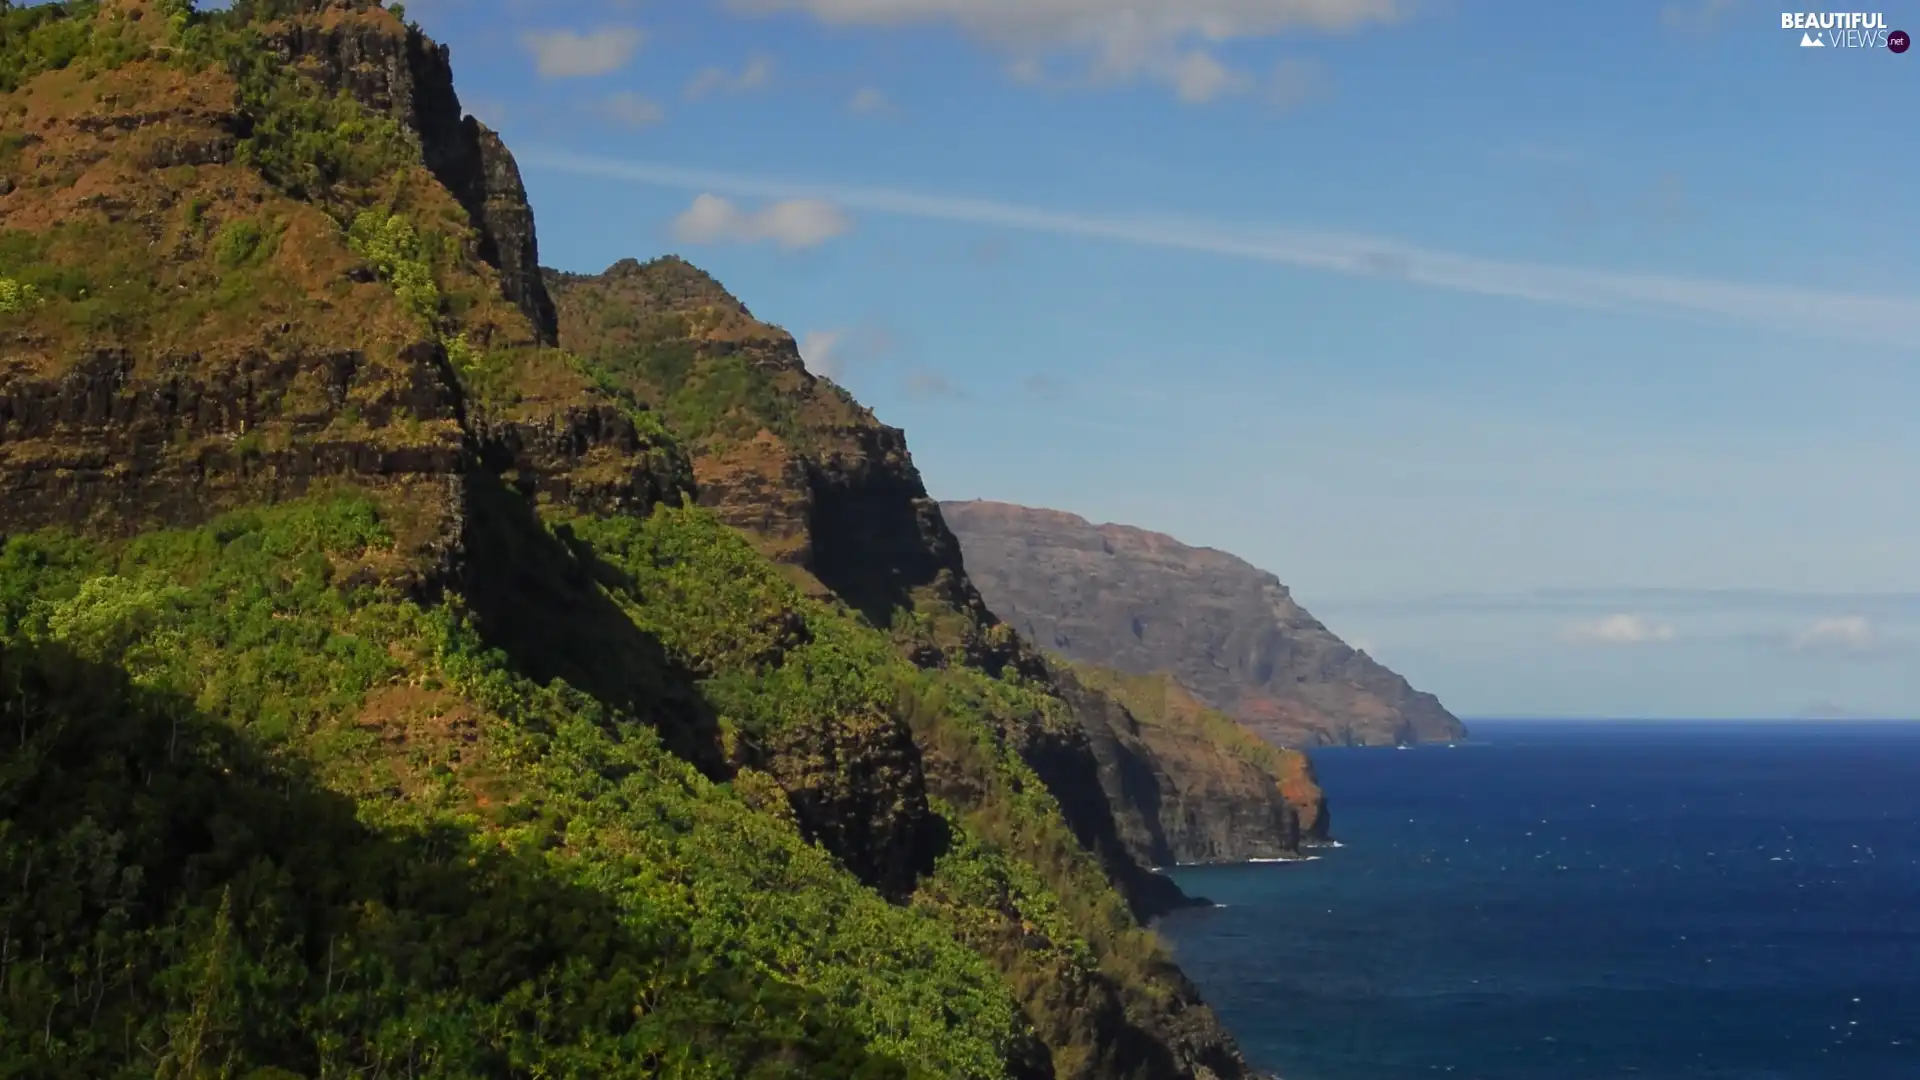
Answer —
(1575, 900)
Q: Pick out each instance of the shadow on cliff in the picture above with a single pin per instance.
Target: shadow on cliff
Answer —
(535, 598)
(161, 865)
(870, 542)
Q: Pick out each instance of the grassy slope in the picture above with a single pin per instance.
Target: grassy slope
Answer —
(269, 811)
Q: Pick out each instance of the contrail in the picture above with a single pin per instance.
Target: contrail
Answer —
(1883, 320)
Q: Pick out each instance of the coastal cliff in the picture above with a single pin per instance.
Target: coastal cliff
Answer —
(1218, 792)
(425, 658)
(1142, 602)
(828, 491)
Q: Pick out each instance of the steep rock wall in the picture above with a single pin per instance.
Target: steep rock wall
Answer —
(1142, 602)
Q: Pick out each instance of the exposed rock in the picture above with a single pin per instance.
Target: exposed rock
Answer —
(857, 788)
(793, 460)
(823, 487)
(243, 353)
(1189, 787)
(1142, 602)
(102, 444)
(590, 457)
(355, 46)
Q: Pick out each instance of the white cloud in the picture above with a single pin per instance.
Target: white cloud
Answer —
(820, 351)
(1619, 630)
(1199, 76)
(836, 352)
(792, 224)
(1879, 319)
(632, 110)
(870, 100)
(714, 80)
(563, 54)
(1841, 633)
(1165, 40)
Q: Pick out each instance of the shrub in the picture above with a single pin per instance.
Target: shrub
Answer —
(402, 257)
(238, 242)
(16, 296)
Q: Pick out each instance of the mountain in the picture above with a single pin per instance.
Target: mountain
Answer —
(831, 494)
(413, 661)
(1142, 602)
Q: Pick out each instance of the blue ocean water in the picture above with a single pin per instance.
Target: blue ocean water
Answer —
(1586, 901)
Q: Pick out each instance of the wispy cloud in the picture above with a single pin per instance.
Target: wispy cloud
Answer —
(871, 101)
(835, 351)
(1657, 601)
(1842, 633)
(565, 54)
(1619, 630)
(793, 223)
(1880, 319)
(715, 80)
(820, 351)
(1851, 636)
(1171, 42)
(632, 110)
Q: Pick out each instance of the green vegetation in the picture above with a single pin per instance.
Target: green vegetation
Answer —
(309, 144)
(239, 243)
(284, 796)
(673, 882)
(1156, 700)
(402, 256)
(1017, 885)
(17, 296)
(702, 398)
(44, 37)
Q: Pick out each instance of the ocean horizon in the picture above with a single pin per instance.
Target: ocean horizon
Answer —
(1586, 899)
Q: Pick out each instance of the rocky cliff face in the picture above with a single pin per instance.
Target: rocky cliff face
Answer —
(824, 487)
(1142, 602)
(356, 47)
(1196, 787)
(203, 340)
(239, 290)
(808, 472)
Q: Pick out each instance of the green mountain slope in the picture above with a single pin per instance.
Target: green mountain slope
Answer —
(381, 699)
(825, 489)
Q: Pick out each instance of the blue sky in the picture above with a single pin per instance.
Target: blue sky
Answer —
(1564, 355)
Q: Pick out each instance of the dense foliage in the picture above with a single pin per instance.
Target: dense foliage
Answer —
(272, 812)
(454, 804)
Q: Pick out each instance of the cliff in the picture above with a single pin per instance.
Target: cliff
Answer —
(394, 686)
(794, 461)
(1142, 602)
(823, 487)
(1218, 793)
